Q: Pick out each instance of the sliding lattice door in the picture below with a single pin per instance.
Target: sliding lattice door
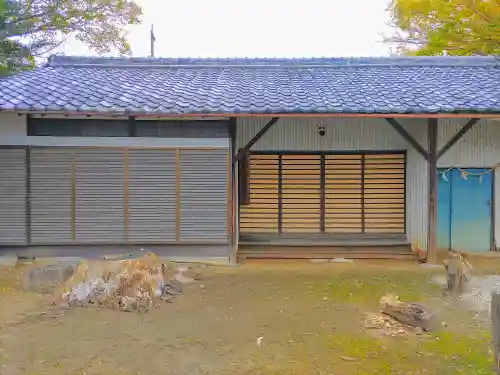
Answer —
(349, 193)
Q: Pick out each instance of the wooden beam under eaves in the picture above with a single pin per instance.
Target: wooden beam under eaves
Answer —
(256, 138)
(408, 137)
(459, 134)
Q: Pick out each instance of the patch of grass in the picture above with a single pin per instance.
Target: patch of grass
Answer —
(10, 279)
(462, 354)
(447, 352)
(360, 354)
(441, 354)
(365, 289)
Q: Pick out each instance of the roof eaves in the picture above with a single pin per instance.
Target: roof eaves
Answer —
(413, 114)
(295, 63)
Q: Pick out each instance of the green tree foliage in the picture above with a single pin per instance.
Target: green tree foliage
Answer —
(32, 28)
(459, 27)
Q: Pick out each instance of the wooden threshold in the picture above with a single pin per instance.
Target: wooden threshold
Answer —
(323, 252)
(337, 243)
(350, 240)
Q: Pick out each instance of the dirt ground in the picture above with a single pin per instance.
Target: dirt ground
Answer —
(309, 318)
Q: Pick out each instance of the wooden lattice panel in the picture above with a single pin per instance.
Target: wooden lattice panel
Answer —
(300, 193)
(384, 193)
(325, 193)
(261, 215)
(343, 194)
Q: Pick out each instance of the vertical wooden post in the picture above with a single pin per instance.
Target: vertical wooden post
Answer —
(234, 227)
(495, 328)
(244, 178)
(432, 202)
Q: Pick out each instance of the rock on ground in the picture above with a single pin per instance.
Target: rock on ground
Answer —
(318, 261)
(49, 276)
(341, 260)
(477, 293)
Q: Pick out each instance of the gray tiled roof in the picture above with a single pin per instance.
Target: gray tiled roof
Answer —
(241, 86)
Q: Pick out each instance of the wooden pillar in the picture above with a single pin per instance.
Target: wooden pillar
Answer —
(234, 226)
(432, 201)
(256, 137)
(495, 327)
(237, 159)
(432, 156)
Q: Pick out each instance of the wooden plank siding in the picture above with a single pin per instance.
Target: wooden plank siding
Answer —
(344, 193)
(261, 215)
(300, 193)
(351, 193)
(384, 193)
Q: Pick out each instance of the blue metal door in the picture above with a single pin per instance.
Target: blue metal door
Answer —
(466, 195)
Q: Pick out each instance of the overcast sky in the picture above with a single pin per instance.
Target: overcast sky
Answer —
(258, 28)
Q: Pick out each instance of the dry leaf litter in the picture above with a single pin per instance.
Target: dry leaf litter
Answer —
(385, 325)
(135, 284)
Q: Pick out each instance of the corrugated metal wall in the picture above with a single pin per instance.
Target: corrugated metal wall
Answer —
(203, 190)
(51, 196)
(152, 197)
(114, 196)
(13, 196)
(351, 134)
(99, 196)
(480, 147)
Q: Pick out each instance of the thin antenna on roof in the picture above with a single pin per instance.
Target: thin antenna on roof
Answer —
(152, 41)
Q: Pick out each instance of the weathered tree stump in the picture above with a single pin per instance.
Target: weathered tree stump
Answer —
(458, 271)
(412, 314)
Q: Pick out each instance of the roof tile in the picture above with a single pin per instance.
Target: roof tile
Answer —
(245, 86)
